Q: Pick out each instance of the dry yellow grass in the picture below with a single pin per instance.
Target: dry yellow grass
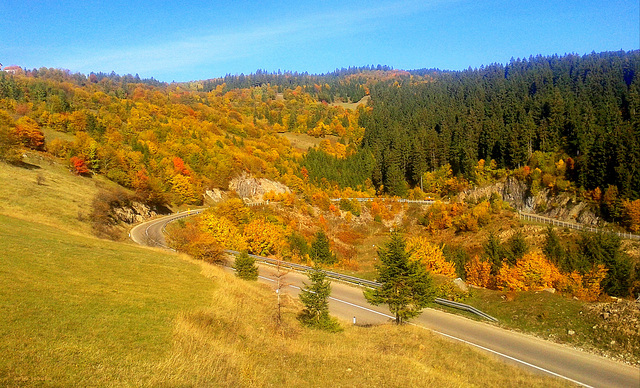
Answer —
(43, 190)
(235, 342)
(78, 311)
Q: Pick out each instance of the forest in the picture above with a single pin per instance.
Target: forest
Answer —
(561, 123)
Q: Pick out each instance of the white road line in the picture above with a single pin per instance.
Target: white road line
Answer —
(450, 336)
(457, 339)
(506, 356)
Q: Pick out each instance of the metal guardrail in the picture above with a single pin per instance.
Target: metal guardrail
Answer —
(571, 225)
(304, 268)
(400, 200)
(466, 307)
(362, 282)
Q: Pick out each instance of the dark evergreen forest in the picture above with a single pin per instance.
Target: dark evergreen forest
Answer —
(583, 107)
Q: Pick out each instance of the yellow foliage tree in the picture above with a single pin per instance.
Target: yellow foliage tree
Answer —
(431, 256)
(223, 231)
(478, 272)
(264, 238)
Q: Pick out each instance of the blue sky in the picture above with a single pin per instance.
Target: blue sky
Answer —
(194, 40)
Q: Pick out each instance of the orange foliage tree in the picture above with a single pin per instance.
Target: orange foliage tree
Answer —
(29, 133)
(632, 215)
(431, 256)
(532, 272)
(79, 165)
(586, 287)
(478, 272)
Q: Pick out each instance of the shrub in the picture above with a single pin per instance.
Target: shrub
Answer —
(245, 267)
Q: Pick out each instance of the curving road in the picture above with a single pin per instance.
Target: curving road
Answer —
(348, 303)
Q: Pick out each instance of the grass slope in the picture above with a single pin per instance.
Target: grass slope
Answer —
(77, 311)
(61, 199)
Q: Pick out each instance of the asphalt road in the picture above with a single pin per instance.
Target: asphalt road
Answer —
(347, 303)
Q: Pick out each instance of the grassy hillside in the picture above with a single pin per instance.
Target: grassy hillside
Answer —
(81, 311)
(77, 311)
(43, 190)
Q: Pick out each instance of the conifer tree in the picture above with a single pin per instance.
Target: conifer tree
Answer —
(321, 250)
(315, 298)
(245, 267)
(406, 287)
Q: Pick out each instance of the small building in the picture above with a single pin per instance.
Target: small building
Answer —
(12, 69)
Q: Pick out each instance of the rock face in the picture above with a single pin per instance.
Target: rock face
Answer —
(253, 188)
(137, 212)
(563, 206)
(214, 195)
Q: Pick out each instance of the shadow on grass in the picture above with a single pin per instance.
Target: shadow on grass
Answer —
(25, 165)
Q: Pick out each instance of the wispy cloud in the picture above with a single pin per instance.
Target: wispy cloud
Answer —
(215, 48)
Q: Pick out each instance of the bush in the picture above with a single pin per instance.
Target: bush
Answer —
(245, 267)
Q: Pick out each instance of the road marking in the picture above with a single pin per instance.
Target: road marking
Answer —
(506, 356)
(442, 334)
(457, 339)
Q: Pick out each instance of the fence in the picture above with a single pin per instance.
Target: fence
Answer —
(571, 225)
(399, 200)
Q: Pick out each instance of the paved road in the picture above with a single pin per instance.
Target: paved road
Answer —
(529, 352)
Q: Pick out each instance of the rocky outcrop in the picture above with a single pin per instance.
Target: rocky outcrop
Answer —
(562, 206)
(136, 212)
(253, 188)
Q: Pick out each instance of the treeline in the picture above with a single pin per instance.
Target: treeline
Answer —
(583, 107)
(346, 83)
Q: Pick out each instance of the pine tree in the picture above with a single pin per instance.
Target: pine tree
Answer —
(554, 251)
(517, 247)
(493, 252)
(321, 250)
(315, 298)
(245, 267)
(406, 286)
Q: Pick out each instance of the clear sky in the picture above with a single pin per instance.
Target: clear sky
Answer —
(195, 40)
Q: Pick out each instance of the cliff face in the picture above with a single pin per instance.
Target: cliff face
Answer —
(563, 206)
(253, 188)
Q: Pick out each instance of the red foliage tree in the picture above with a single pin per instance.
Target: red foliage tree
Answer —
(79, 165)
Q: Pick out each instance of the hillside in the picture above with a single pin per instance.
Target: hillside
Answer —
(82, 311)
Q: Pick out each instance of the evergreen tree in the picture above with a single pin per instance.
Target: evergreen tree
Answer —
(406, 287)
(493, 252)
(321, 250)
(517, 247)
(245, 267)
(553, 249)
(605, 248)
(315, 298)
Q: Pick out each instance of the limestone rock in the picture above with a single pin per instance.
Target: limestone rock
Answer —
(247, 186)
(461, 285)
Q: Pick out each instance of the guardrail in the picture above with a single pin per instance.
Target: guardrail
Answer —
(362, 282)
(400, 200)
(304, 268)
(466, 307)
(571, 225)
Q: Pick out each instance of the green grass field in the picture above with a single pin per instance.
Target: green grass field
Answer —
(79, 311)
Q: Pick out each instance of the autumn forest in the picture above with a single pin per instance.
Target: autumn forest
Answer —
(560, 125)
